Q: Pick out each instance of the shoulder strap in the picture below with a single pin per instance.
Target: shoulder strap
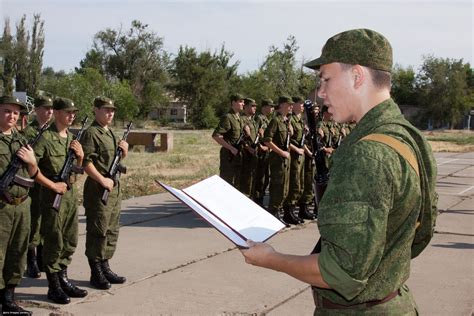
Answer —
(401, 148)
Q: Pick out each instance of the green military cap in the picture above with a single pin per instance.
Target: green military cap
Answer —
(43, 100)
(285, 99)
(356, 47)
(249, 101)
(6, 99)
(236, 97)
(64, 104)
(104, 102)
(298, 99)
(267, 102)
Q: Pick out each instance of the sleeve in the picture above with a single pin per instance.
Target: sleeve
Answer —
(40, 149)
(352, 221)
(270, 131)
(90, 154)
(223, 126)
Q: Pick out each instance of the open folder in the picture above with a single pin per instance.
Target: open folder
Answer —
(232, 213)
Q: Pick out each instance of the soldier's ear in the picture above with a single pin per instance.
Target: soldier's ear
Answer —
(358, 75)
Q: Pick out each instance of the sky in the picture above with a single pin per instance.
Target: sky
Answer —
(415, 29)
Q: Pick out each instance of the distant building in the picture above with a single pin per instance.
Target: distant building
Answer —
(175, 111)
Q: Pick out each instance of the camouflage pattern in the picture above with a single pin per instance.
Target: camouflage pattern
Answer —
(7, 99)
(59, 229)
(104, 102)
(296, 181)
(30, 132)
(249, 159)
(102, 221)
(356, 47)
(64, 104)
(230, 127)
(262, 169)
(307, 197)
(43, 101)
(367, 234)
(14, 220)
(277, 132)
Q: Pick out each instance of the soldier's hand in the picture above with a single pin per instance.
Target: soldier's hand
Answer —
(59, 187)
(107, 183)
(285, 154)
(27, 155)
(257, 254)
(77, 148)
(234, 150)
(124, 145)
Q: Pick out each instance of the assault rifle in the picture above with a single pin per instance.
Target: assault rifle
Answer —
(286, 145)
(69, 167)
(321, 176)
(238, 144)
(10, 177)
(116, 168)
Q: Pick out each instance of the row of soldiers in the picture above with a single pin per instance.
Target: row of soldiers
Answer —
(273, 149)
(39, 210)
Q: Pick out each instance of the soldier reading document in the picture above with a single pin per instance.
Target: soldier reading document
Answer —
(229, 211)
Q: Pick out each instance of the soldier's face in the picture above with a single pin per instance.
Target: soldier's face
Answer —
(104, 116)
(44, 113)
(64, 117)
(297, 108)
(238, 106)
(337, 91)
(9, 114)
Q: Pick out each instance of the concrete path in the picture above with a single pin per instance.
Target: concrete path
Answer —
(177, 265)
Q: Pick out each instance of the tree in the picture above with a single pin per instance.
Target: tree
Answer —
(21, 55)
(36, 55)
(444, 90)
(203, 81)
(404, 85)
(136, 57)
(6, 48)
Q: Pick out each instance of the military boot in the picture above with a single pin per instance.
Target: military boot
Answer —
(289, 216)
(9, 306)
(55, 292)
(70, 289)
(304, 212)
(32, 269)
(98, 279)
(276, 213)
(110, 275)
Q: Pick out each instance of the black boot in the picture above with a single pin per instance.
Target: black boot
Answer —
(32, 269)
(110, 275)
(289, 216)
(304, 212)
(70, 289)
(8, 302)
(39, 257)
(55, 292)
(98, 279)
(276, 213)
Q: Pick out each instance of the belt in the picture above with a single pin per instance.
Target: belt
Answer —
(8, 199)
(325, 303)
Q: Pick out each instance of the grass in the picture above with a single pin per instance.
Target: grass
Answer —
(451, 140)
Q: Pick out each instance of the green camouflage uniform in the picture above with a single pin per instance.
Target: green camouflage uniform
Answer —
(277, 132)
(30, 132)
(307, 197)
(103, 221)
(230, 127)
(14, 219)
(58, 228)
(249, 160)
(297, 163)
(262, 172)
(368, 214)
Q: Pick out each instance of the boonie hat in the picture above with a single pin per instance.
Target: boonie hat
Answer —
(7, 99)
(64, 104)
(104, 102)
(356, 47)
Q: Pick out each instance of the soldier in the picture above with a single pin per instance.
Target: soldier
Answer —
(249, 159)
(383, 177)
(14, 205)
(102, 221)
(297, 153)
(262, 173)
(277, 138)
(44, 112)
(59, 228)
(229, 134)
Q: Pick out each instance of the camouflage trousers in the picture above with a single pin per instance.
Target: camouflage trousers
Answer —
(102, 221)
(35, 211)
(247, 175)
(14, 231)
(402, 304)
(296, 180)
(230, 167)
(262, 177)
(307, 197)
(59, 229)
(279, 180)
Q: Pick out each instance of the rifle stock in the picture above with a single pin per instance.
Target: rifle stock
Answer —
(116, 168)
